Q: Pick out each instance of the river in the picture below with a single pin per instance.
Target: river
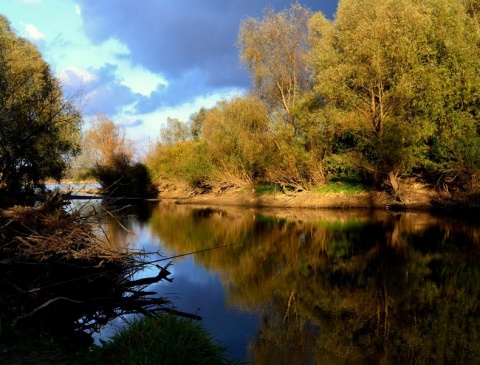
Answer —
(318, 287)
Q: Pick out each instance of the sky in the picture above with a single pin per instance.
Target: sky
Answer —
(140, 62)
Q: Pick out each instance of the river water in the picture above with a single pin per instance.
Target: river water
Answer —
(318, 287)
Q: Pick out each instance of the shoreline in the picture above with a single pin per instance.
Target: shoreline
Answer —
(414, 197)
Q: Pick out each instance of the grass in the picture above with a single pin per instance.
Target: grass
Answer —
(163, 339)
(337, 186)
(263, 189)
(347, 187)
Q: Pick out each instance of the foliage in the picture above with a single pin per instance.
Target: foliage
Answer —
(187, 161)
(391, 72)
(39, 128)
(175, 131)
(383, 91)
(274, 50)
(164, 339)
(237, 136)
(108, 158)
(234, 141)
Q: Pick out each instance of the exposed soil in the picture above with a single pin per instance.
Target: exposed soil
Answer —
(415, 196)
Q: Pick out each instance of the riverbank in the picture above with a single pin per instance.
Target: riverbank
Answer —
(415, 196)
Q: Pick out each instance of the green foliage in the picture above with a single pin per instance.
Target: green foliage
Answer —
(237, 136)
(389, 70)
(347, 187)
(39, 128)
(162, 340)
(384, 90)
(175, 131)
(187, 161)
(344, 166)
(274, 49)
(267, 189)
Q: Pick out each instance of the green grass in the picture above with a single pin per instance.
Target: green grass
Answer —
(267, 189)
(164, 339)
(346, 187)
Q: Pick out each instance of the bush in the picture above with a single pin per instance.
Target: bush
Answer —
(163, 339)
(121, 178)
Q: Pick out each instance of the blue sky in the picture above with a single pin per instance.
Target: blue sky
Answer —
(140, 62)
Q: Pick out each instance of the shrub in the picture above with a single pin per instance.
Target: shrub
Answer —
(163, 339)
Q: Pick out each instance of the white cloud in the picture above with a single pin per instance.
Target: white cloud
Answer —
(33, 33)
(75, 75)
(149, 129)
(32, 1)
(140, 80)
(78, 9)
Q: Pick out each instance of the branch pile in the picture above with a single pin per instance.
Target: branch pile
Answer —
(59, 273)
(49, 233)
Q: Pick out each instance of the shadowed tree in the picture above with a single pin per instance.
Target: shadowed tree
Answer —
(39, 128)
(108, 157)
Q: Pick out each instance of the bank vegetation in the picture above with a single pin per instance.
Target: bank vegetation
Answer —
(385, 93)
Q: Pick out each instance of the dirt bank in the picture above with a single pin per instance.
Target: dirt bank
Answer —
(415, 197)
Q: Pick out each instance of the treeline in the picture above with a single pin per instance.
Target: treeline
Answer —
(386, 90)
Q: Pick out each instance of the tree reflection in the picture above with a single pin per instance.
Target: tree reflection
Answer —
(344, 287)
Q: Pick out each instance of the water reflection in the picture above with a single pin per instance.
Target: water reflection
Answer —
(309, 287)
(334, 287)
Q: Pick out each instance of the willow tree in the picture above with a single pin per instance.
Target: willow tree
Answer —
(39, 128)
(274, 51)
(389, 72)
(236, 133)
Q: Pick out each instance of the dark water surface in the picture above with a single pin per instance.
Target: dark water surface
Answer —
(320, 287)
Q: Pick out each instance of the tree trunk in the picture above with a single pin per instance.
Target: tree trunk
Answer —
(393, 182)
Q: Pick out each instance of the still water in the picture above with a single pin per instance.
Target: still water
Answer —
(319, 287)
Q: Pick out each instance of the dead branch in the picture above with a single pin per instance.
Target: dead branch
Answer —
(44, 305)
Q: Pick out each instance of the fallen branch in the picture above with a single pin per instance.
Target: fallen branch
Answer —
(44, 305)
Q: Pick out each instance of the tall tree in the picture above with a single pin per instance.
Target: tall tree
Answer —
(389, 72)
(39, 128)
(274, 50)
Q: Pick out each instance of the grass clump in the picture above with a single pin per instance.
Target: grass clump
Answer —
(347, 187)
(163, 339)
(262, 189)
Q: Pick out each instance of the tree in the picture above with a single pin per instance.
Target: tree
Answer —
(237, 135)
(196, 122)
(274, 51)
(39, 128)
(104, 141)
(108, 157)
(175, 131)
(389, 72)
